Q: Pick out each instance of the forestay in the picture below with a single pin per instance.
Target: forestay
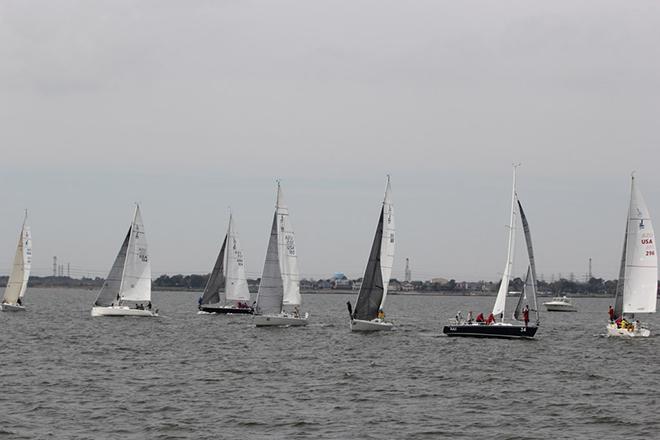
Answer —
(136, 282)
(20, 273)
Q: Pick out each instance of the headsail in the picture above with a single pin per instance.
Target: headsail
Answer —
(20, 273)
(373, 290)
(136, 281)
(287, 255)
(216, 279)
(530, 281)
(270, 295)
(500, 301)
(641, 262)
(109, 293)
(236, 287)
(528, 292)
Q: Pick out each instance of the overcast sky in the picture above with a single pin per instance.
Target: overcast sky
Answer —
(190, 107)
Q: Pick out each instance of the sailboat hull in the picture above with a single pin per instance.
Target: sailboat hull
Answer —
(226, 310)
(614, 331)
(359, 325)
(12, 308)
(122, 311)
(505, 331)
(282, 320)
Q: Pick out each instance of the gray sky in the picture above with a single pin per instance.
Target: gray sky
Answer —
(192, 106)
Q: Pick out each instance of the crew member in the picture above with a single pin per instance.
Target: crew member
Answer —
(526, 314)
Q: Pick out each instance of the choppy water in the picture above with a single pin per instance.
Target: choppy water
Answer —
(65, 375)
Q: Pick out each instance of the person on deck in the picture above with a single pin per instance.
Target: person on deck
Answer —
(526, 314)
(469, 317)
(480, 318)
(459, 317)
(381, 314)
(611, 313)
(199, 303)
(491, 319)
(618, 322)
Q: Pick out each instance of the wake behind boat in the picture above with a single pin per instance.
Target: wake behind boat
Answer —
(636, 290)
(20, 273)
(520, 328)
(226, 291)
(127, 290)
(369, 314)
(278, 300)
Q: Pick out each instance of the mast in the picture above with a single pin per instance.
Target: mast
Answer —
(500, 301)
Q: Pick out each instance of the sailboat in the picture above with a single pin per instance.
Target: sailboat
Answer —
(127, 289)
(369, 312)
(636, 290)
(228, 275)
(20, 273)
(278, 299)
(526, 302)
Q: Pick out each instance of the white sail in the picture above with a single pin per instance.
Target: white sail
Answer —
(388, 241)
(500, 301)
(236, 287)
(20, 273)
(641, 270)
(286, 250)
(109, 293)
(269, 296)
(136, 280)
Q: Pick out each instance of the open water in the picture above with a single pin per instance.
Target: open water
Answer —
(65, 375)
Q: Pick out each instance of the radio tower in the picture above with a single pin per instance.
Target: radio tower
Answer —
(408, 273)
(54, 266)
(591, 275)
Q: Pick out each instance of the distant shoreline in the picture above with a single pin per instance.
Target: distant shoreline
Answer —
(345, 292)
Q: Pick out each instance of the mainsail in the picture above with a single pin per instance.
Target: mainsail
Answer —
(373, 290)
(270, 294)
(637, 288)
(20, 273)
(529, 291)
(236, 287)
(500, 301)
(286, 250)
(136, 281)
(216, 279)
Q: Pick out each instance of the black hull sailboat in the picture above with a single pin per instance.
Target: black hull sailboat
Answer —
(518, 328)
(227, 310)
(504, 331)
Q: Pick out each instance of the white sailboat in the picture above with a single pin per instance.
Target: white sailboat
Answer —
(279, 300)
(369, 314)
(227, 289)
(526, 302)
(20, 273)
(636, 290)
(127, 290)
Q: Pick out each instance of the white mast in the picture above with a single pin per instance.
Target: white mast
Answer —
(498, 308)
